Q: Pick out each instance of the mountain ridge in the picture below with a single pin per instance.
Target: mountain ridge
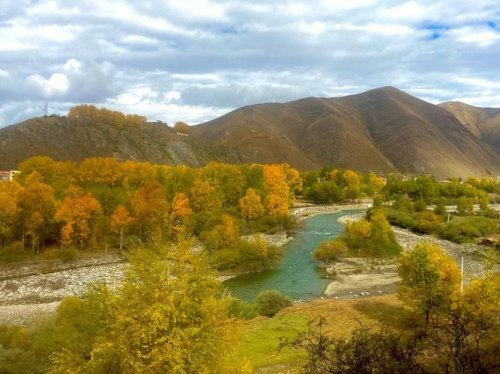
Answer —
(384, 130)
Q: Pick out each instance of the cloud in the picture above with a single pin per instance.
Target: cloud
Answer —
(193, 60)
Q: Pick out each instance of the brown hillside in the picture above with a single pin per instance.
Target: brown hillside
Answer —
(75, 139)
(484, 123)
(382, 130)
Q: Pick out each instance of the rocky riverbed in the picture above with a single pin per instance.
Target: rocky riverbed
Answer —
(363, 277)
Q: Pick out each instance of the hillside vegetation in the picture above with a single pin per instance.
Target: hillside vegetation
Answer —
(87, 132)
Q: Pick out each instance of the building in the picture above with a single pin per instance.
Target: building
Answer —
(8, 175)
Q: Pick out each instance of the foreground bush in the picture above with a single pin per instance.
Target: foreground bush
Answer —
(271, 302)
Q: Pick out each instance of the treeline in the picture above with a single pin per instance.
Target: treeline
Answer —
(105, 116)
(102, 202)
(427, 189)
(330, 185)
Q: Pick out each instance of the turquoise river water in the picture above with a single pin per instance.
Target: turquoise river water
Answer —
(297, 275)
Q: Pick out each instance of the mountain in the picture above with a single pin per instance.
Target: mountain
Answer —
(383, 130)
(64, 138)
(484, 123)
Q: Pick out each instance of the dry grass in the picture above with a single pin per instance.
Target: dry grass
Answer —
(262, 335)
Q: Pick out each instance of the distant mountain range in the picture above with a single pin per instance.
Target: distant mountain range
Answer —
(383, 130)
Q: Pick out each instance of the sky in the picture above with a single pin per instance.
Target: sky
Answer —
(194, 60)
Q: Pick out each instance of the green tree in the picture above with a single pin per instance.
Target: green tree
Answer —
(429, 279)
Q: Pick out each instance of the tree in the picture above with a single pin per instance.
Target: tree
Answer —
(120, 221)
(181, 127)
(179, 214)
(277, 191)
(271, 302)
(250, 205)
(78, 215)
(150, 209)
(429, 279)
(37, 204)
(170, 315)
(224, 235)
(466, 337)
(9, 211)
(330, 251)
(204, 196)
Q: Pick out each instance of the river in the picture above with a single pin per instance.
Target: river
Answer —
(297, 274)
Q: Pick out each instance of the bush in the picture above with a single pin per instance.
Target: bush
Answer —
(68, 254)
(469, 229)
(241, 309)
(271, 302)
(330, 251)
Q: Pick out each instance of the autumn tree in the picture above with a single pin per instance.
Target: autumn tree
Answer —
(429, 279)
(179, 214)
(150, 209)
(78, 215)
(9, 211)
(250, 205)
(170, 315)
(204, 196)
(277, 191)
(99, 170)
(224, 235)
(37, 204)
(120, 221)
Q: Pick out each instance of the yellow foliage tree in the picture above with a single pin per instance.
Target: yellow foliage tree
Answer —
(37, 204)
(204, 196)
(168, 316)
(277, 190)
(430, 279)
(250, 205)
(78, 215)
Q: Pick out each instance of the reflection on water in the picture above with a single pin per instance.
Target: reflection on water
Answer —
(297, 275)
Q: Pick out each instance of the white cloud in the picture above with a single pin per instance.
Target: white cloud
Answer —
(193, 60)
(139, 39)
(56, 85)
(481, 36)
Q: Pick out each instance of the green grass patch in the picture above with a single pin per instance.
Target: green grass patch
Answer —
(262, 337)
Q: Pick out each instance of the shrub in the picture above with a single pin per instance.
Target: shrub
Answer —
(241, 309)
(330, 251)
(271, 302)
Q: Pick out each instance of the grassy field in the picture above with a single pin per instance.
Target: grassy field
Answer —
(262, 335)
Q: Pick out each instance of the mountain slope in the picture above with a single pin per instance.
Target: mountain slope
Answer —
(75, 139)
(484, 123)
(382, 130)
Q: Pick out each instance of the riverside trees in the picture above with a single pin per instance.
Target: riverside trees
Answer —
(103, 201)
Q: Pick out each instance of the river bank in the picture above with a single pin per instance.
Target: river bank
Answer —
(365, 277)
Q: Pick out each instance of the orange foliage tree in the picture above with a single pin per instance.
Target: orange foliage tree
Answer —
(120, 221)
(78, 215)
